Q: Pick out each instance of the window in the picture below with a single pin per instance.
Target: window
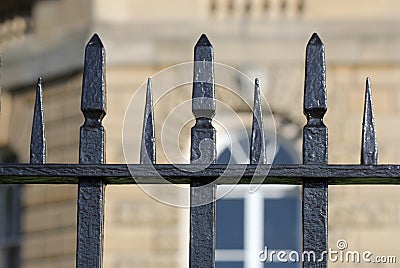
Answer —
(270, 217)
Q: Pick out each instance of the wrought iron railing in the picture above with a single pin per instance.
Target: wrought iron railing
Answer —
(92, 174)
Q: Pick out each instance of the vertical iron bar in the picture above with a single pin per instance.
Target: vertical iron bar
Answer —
(203, 151)
(254, 239)
(148, 145)
(369, 150)
(315, 152)
(38, 141)
(91, 151)
(257, 146)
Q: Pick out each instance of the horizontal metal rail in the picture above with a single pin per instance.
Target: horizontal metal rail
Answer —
(184, 173)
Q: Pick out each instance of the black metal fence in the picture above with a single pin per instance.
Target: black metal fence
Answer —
(92, 174)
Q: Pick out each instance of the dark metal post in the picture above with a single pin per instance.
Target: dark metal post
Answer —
(91, 151)
(315, 151)
(203, 151)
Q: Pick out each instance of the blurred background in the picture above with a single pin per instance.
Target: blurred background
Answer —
(261, 38)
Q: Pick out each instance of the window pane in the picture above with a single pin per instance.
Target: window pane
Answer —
(230, 219)
(282, 230)
(282, 223)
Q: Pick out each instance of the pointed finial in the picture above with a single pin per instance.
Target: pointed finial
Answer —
(38, 141)
(203, 149)
(315, 86)
(93, 90)
(203, 41)
(315, 40)
(257, 147)
(203, 97)
(95, 41)
(148, 146)
(315, 133)
(369, 151)
(93, 104)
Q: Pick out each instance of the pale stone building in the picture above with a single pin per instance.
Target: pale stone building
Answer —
(262, 38)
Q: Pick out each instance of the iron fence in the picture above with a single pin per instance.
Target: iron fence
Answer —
(92, 174)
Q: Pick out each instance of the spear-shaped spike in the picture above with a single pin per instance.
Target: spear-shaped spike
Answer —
(369, 151)
(93, 103)
(38, 141)
(257, 148)
(203, 149)
(315, 103)
(203, 97)
(148, 146)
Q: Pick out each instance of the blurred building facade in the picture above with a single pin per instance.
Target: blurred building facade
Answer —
(262, 38)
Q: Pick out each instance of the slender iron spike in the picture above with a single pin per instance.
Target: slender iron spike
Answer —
(38, 141)
(257, 147)
(91, 151)
(369, 150)
(148, 146)
(203, 151)
(315, 151)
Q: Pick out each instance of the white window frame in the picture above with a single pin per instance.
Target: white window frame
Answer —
(253, 221)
